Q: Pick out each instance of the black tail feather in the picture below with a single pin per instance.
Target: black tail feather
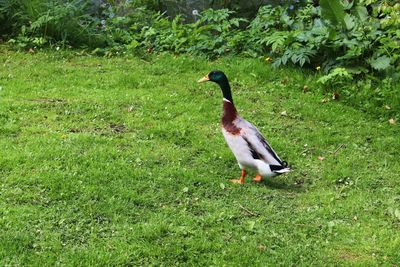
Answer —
(276, 167)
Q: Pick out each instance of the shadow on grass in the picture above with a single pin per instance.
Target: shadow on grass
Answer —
(287, 185)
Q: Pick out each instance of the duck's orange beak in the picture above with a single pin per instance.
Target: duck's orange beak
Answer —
(204, 79)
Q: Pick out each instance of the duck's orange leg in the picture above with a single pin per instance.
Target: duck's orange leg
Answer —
(258, 178)
(241, 179)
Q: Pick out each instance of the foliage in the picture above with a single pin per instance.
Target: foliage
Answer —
(121, 162)
(341, 39)
(337, 75)
(340, 36)
(214, 34)
(335, 35)
(360, 38)
(37, 23)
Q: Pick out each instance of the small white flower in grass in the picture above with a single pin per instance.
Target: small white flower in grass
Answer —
(195, 12)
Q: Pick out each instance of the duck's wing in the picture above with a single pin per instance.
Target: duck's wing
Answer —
(258, 145)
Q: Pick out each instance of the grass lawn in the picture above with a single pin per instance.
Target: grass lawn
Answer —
(122, 162)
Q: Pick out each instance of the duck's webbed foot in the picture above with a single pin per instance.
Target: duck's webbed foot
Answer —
(258, 178)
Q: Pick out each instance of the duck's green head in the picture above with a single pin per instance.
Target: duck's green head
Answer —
(220, 78)
(215, 76)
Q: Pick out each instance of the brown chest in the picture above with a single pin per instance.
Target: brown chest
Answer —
(228, 118)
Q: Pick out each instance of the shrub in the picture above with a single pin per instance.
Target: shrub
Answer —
(347, 37)
(37, 23)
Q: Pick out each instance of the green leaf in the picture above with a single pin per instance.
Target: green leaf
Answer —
(134, 44)
(335, 76)
(332, 34)
(362, 12)
(349, 21)
(302, 61)
(380, 63)
(276, 40)
(333, 11)
(356, 70)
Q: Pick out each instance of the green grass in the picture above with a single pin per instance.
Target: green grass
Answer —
(121, 162)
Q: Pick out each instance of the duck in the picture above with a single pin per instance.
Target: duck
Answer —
(250, 148)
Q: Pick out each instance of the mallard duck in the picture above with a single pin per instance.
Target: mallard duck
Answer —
(251, 149)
